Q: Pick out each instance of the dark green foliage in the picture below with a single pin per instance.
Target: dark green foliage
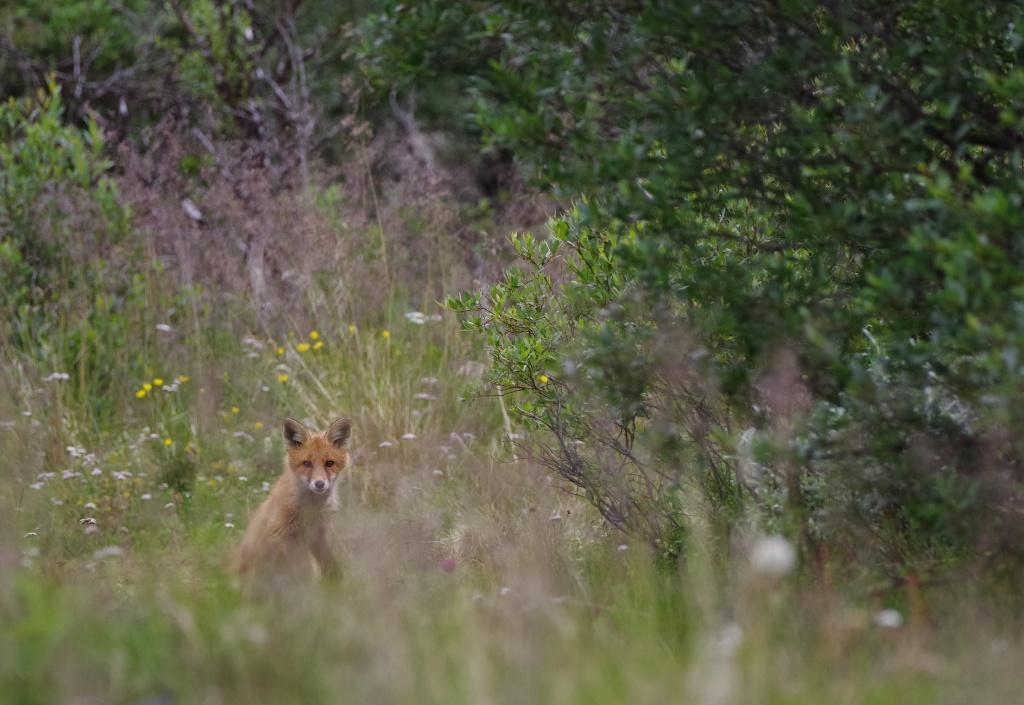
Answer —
(824, 200)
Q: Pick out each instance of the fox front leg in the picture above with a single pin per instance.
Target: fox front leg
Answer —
(322, 552)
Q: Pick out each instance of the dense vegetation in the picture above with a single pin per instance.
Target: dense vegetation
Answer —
(778, 292)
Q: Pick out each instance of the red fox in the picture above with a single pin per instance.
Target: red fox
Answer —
(292, 522)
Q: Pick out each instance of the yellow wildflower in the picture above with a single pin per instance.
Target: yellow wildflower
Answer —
(318, 344)
(280, 350)
(141, 393)
(282, 378)
(258, 425)
(168, 441)
(158, 382)
(234, 410)
(351, 329)
(386, 334)
(302, 347)
(314, 335)
(543, 379)
(183, 378)
(147, 386)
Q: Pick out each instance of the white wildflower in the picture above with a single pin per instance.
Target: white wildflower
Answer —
(416, 317)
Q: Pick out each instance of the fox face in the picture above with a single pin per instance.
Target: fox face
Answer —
(317, 459)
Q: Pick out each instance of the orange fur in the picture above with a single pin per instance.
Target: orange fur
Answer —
(291, 524)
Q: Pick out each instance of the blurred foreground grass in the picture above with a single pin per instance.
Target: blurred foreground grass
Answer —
(469, 577)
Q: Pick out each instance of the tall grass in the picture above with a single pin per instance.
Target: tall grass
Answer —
(468, 576)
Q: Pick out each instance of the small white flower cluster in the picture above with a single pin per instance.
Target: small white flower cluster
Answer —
(57, 377)
(420, 318)
(173, 386)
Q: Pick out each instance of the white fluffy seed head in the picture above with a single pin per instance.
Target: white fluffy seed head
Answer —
(774, 556)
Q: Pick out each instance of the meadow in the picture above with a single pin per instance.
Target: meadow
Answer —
(733, 418)
(470, 575)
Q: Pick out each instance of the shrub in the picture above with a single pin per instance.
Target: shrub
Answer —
(69, 282)
(823, 202)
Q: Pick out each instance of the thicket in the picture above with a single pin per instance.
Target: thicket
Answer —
(788, 280)
(792, 273)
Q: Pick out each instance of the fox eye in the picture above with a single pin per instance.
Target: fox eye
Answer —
(307, 464)
(329, 463)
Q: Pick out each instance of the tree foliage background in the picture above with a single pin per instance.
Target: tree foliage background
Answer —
(786, 284)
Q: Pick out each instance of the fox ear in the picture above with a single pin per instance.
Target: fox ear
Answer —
(339, 433)
(295, 434)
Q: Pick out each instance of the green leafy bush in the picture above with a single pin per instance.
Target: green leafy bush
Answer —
(824, 202)
(65, 285)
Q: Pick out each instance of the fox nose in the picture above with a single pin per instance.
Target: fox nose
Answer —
(319, 484)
